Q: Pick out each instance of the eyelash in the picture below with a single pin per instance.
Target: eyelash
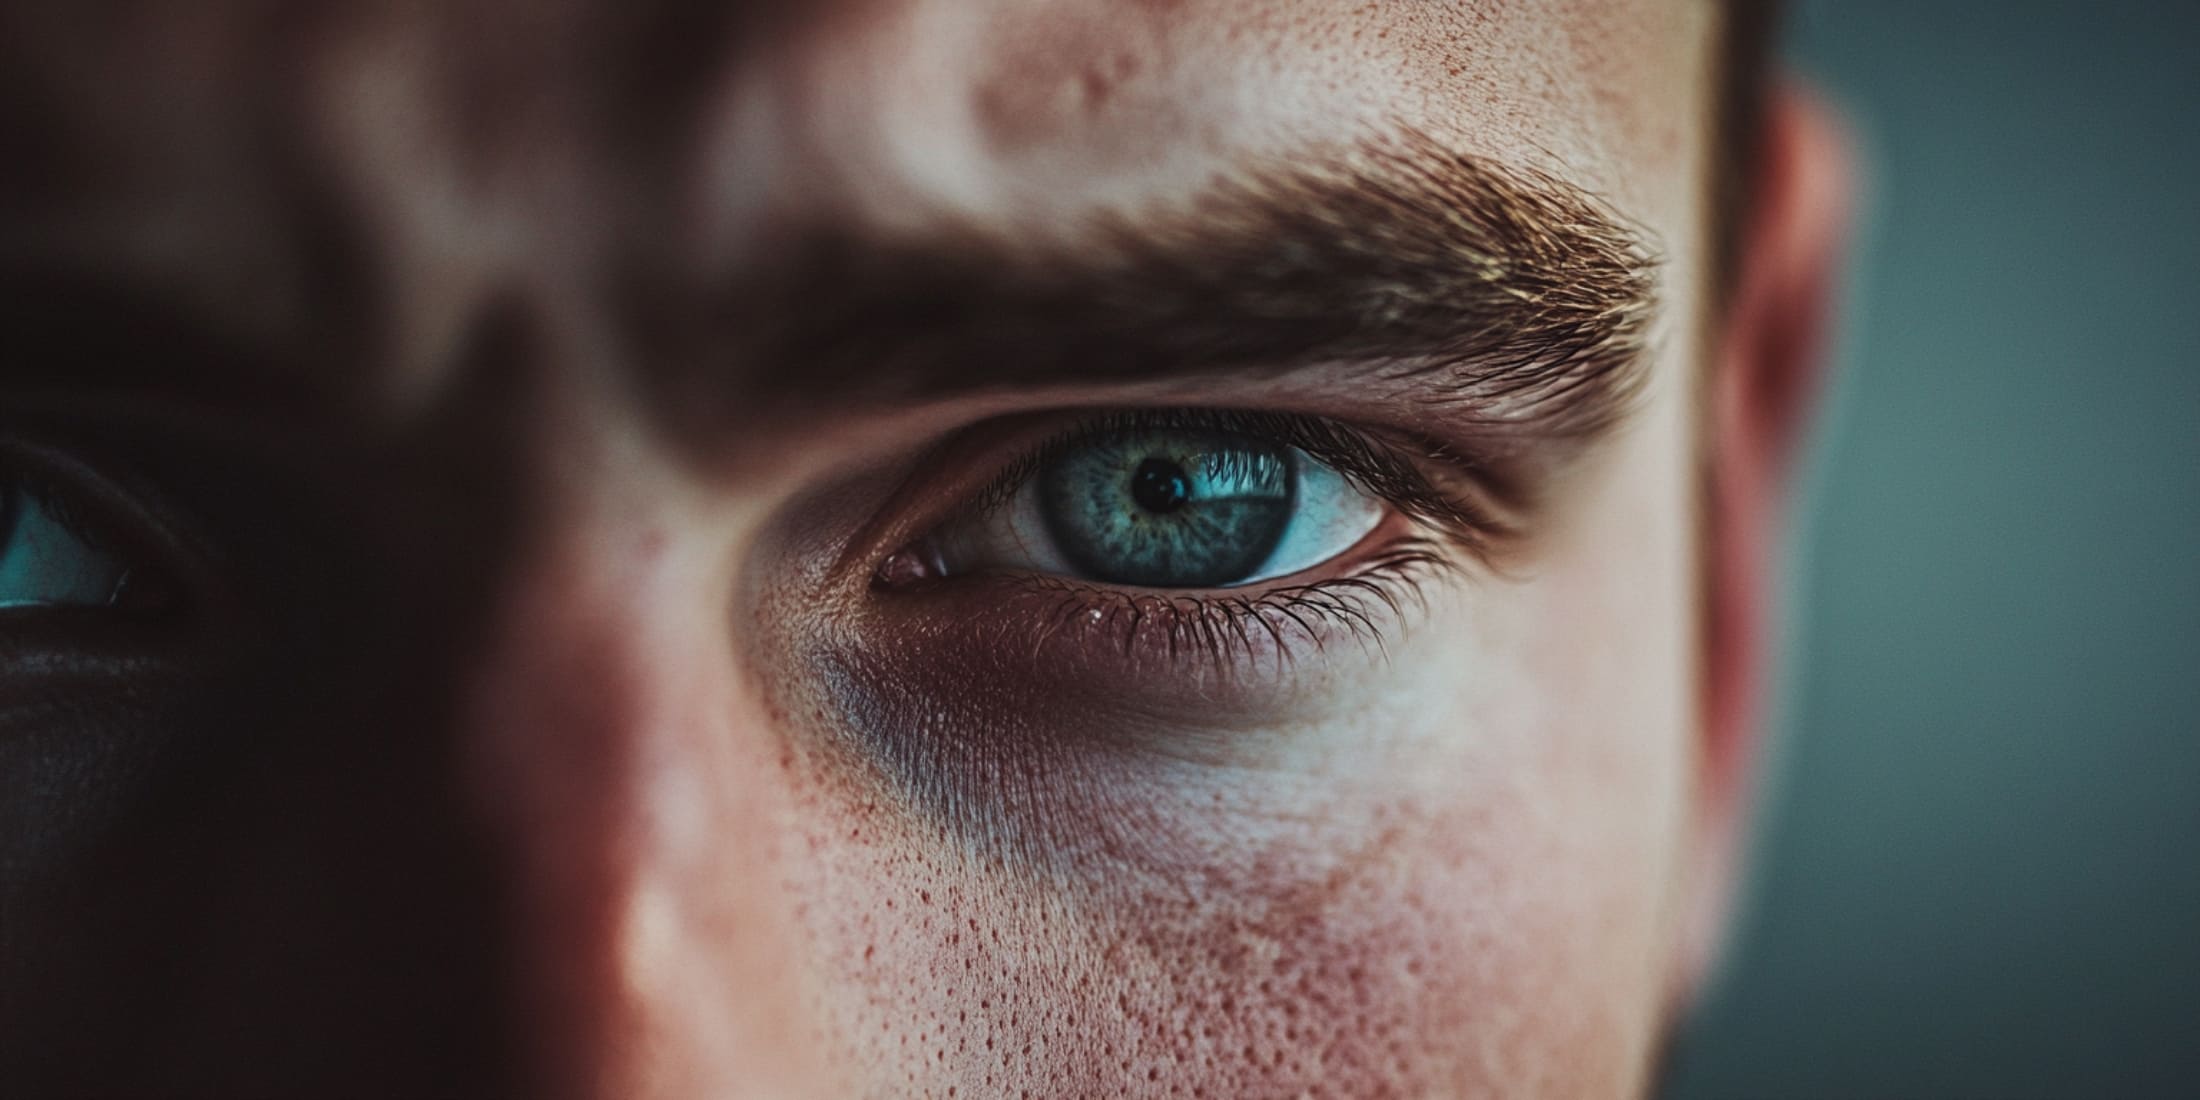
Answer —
(1228, 625)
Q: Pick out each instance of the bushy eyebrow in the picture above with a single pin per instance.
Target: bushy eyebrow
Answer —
(1508, 291)
(1499, 293)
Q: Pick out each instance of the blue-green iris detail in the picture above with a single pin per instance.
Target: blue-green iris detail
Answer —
(1169, 509)
(44, 563)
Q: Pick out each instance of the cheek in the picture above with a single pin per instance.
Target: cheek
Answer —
(1462, 883)
(1466, 907)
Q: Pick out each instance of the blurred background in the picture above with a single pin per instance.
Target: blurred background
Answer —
(1980, 872)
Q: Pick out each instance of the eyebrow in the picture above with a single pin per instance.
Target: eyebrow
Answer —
(1498, 295)
(1512, 294)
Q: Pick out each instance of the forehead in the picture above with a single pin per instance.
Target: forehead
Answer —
(455, 142)
(1025, 106)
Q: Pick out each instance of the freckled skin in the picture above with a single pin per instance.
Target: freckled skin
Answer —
(762, 846)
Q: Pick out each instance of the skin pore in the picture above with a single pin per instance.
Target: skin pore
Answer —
(535, 409)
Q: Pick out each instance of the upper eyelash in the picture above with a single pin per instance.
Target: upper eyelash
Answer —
(1378, 468)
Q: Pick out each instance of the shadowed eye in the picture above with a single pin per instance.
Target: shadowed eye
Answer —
(47, 557)
(1166, 507)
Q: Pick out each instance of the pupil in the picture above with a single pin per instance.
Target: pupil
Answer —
(1168, 509)
(1160, 486)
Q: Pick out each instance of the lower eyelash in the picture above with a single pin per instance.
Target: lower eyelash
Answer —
(1226, 629)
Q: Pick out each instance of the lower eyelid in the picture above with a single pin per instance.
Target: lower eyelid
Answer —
(1013, 705)
(1249, 641)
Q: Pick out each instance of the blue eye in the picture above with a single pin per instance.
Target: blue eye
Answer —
(45, 562)
(1168, 508)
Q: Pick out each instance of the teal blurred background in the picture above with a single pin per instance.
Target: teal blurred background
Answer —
(1980, 869)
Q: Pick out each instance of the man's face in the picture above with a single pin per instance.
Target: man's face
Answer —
(890, 548)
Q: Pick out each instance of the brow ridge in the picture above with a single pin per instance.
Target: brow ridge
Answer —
(1515, 292)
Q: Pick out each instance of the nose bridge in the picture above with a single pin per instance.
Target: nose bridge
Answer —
(635, 787)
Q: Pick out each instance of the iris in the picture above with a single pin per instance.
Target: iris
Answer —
(1169, 509)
